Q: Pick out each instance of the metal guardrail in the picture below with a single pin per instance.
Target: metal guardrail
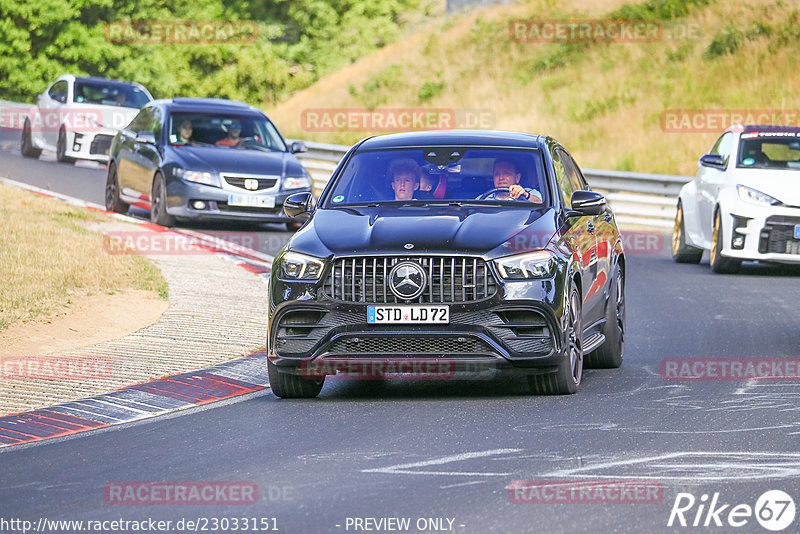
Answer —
(638, 198)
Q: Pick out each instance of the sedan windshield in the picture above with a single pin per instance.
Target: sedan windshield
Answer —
(442, 174)
(110, 94)
(225, 131)
(767, 150)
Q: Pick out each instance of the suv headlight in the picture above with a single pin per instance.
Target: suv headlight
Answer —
(296, 266)
(539, 264)
(198, 177)
(754, 196)
(296, 182)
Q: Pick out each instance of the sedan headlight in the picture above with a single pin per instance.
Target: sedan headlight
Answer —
(198, 177)
(539, 264)
(296, 266)
(754, 196)
(296, 182)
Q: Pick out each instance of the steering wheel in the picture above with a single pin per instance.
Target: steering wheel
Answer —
(492, 192)
(248, 141)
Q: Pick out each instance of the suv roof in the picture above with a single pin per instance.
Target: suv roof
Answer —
(207, 104)
(496, 138)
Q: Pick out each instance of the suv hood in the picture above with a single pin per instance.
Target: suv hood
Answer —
(488, 231)
(243, 160)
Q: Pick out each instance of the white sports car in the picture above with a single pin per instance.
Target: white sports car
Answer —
(78, 117)
(744, 203)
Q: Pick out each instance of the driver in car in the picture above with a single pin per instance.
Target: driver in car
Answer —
(507, 175)
(234, 133)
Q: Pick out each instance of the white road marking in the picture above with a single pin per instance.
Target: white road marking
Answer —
(407, 469)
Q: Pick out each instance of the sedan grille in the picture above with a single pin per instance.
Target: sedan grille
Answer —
(264, 182)
(450, 279)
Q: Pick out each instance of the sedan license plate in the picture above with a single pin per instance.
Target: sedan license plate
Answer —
(408, 314)
(251, 201)
(797, 231)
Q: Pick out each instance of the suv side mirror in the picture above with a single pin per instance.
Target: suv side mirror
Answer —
(299, 146)
(714, 160)
(299, 205)
(146, 138)
(587, 203)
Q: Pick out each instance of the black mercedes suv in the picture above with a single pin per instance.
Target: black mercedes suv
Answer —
(443, 253)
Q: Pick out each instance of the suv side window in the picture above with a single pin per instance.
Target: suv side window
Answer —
(562, 179)
(575, 179)
(59, 91)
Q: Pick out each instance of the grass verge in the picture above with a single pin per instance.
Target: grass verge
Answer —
(47, 258)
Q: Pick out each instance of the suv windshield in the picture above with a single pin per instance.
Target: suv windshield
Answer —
(110, 94)
(769, 150)
(225, 131)
(440, 174)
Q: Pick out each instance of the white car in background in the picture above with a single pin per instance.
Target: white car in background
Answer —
(744, 203)
(77, 117)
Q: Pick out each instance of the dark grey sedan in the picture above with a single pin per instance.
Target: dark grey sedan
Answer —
(204, 159)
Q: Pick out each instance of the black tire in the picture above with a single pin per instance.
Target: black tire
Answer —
(61, 148)
(158, 203)
(113, 202)
(609, 355)
(293, 226)
(719, 263)
(567, 378)
(681, 252)
(289, 386)
(26, 142)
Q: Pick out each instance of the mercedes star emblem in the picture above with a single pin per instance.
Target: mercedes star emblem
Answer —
(407, 280)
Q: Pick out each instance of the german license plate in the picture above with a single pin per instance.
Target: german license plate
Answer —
(251, 201)
(408, 314)
(797, 231)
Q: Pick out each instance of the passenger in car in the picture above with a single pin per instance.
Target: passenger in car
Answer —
(185, 130)
(406, 176)
(507, 174)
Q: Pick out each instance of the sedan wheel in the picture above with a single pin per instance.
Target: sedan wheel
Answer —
(26, 144)
(158, 203)
(113, 202)
(681, 252)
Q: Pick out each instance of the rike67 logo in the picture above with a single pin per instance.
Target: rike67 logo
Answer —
(774, 510)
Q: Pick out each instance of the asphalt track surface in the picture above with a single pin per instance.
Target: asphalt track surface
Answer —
(450, 449)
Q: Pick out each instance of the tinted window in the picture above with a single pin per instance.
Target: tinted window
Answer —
(575, 179)
(155, 122)
(141, 121)
(769, 150)
(405, 175)
(110, 94)
(227, 131)
(562, 179)
(59, 91)
(724, 145)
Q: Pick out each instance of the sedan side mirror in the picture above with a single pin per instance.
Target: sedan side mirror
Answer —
(299, 146)
(146, 138)
(715, 161)
(587, 203)
(299, 205)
